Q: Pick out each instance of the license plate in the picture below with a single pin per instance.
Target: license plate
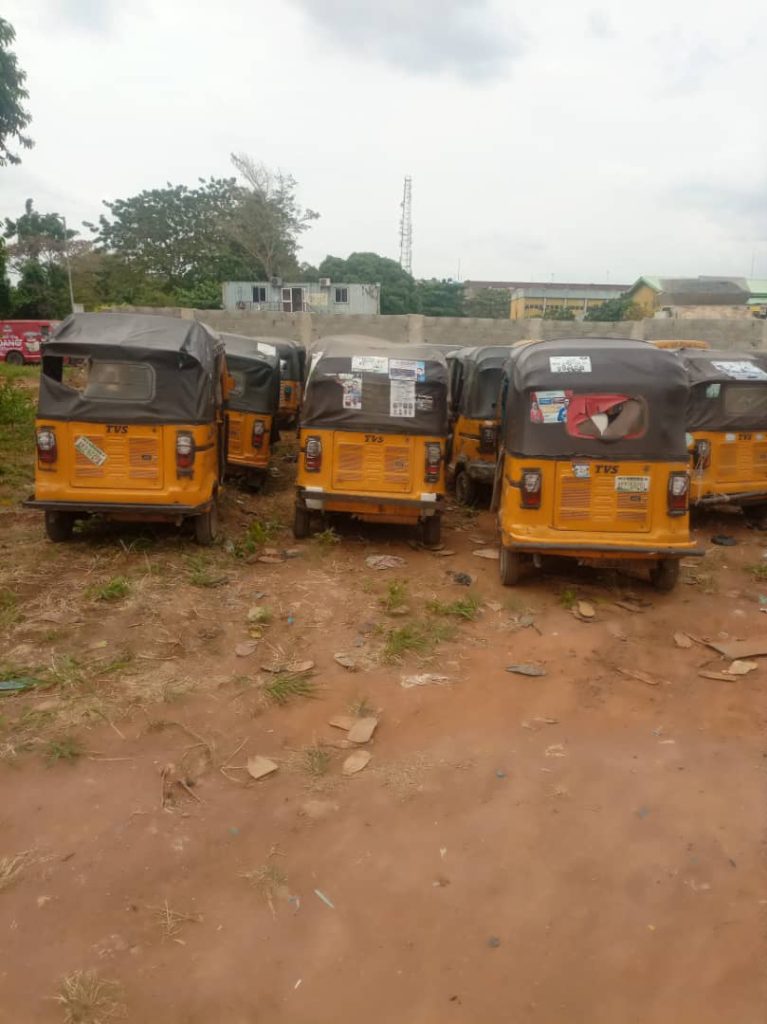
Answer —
(90, 451)
(632, 484)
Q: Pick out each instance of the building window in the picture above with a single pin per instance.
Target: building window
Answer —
(342, 294)
(259, 293)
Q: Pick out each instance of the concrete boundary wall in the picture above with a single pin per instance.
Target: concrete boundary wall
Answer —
(415, 329)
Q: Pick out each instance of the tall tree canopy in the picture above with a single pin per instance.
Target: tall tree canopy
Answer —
(14, 117)
(493, 303)
(397, 286)
(440, 298)
(37, 247)
(621, 308)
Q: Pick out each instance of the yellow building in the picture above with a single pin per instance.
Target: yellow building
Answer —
(550, 300)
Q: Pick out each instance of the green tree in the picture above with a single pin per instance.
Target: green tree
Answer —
(14, 118)
(440, 298)
(621, 308)
(40, 237)
(398, 289)
(42, 292)
(558, 313)
(38, 244)
(5, 284)
(492, 303)
(268, 220)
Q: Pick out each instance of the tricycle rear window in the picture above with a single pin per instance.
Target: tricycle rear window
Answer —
(747, 400)
(602, 417)
(119, 381)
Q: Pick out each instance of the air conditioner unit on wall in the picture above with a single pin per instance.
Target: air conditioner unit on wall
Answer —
(324, 282)
(276, 282)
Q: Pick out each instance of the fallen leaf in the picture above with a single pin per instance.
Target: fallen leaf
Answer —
(741, 668)
(356, 762)
(344, 722)
(346, 661)
(245, 649)
(259, 767)
(642, 677)
(424, 679)
(493, 553)
(527, 669)
(362, 730)
(682, 640)
(384, 562)
(257, 613)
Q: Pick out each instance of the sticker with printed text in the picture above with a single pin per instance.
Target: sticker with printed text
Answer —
(90, 451)
(402, 398)
(407, 369)
(570, 364)
(632, 484)
(370, 364)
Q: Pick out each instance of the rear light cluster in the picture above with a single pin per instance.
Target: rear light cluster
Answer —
(702, 455)
(313, 454)
(433, 462)
(258, 434)
(185, 449)
(47, 452)
(678, 493)
(487, 439)
(530, 488)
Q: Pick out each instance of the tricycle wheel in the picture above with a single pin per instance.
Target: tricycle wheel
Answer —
(59, 525)
(664, 576)
(206, 526)
(431, 530)
(15, 359)
(465, 489)
(511, 567)
(756, 515)
(301, 522)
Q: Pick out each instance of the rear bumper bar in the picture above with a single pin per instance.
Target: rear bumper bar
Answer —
(106, 507)
(741, 498)
(616, 549)
(318, 500)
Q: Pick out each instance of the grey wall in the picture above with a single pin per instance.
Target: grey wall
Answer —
(413, 328)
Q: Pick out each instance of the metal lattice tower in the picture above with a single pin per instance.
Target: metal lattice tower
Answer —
(406, 227)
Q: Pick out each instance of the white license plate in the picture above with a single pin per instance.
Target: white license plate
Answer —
(632, 484)
(90, 451)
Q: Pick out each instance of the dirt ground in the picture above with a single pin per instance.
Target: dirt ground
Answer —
(580, 846)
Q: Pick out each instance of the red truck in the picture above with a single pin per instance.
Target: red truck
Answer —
(20, 340)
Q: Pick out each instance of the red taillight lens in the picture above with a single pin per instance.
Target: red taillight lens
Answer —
(184, 450)
(433, 461)
(487, 439)
(47, 451)
(258, 434)
(313, 454)
(702, 455)
(678, 493)
(530, 488)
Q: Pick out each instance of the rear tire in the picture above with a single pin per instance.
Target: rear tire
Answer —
(664, 576)
(206, 526)
(511, 567)
(59, 526)
(15, 359)
(431, 530)
(466, 490)
(301, 522)
(756, 515)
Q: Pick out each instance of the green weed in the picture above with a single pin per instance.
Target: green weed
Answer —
(416, 637)
(327, 539)
(114, 590)
(395, 596)
(88, 999)
(568, 598)
(758, 570)
(286, 685)
(464, 608)
(316, 761)
(361, 708)
(66, 748)
(200, 575)
(9, 609)
(258, 533)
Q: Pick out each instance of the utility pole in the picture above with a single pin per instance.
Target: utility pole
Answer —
(69, 267)
(406, 227)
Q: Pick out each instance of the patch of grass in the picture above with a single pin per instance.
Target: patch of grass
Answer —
(258, 533)
(416, 637)
(327, 539)
(171, 920)
(114, 590)
(65, 748)
(11, 869)
(67, 672)
(17, 435)
(568, 598)
(200, 575)
(121, 661)
(361, 708)
(464, 608)
(9, 609)
(395, 596)
(286, 685)
(269, 881)
(758, 570)
(316, 761)
(88, 999)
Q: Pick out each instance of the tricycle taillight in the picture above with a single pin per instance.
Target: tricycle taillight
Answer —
(678, 493)
(433, 462)
(702, 455)
(184, 450)
(313, 454)
(258, 434)
(47, 451)
(530, 488)
(488, 439)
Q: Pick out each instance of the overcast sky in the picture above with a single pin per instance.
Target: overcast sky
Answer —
(561, 138)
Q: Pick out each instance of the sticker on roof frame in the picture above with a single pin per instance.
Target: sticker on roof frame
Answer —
(570, 364)
(740, 369)
(402, 399)
(90, 451)
(407, 369)
(352, 386)
(549, 406)
(371, 364)
(424, 403)
(266, 348)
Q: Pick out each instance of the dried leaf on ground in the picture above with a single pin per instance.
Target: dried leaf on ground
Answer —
(642, 677)
(741, 668)
(384, 562)
(527, 668)
(682, 640)
(259, 767)
(356, 762)
(346, 661)
(424, 679)
(245, 649)
(490, 553)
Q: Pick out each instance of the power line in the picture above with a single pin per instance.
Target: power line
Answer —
(406, 227)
